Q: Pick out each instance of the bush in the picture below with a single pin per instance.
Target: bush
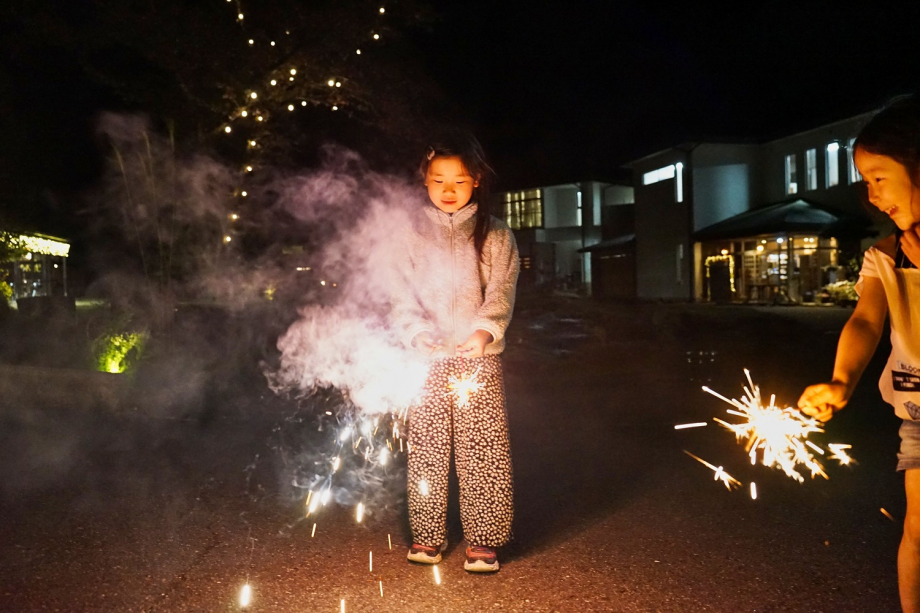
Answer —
(842, 292)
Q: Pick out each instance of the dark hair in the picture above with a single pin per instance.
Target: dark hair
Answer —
(895, 132)
(456, 143)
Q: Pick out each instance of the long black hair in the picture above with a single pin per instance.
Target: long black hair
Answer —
(463, 145)
(895, 132)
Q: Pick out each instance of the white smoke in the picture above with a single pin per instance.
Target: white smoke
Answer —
(350, 344)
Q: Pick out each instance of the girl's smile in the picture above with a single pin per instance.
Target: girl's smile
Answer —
(890, 188)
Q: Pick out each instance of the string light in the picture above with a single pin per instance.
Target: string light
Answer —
(244, 193)
(259, 118)
(254, 95)
(338, 84)
(331, 82)
(227, 239)
(273, 43)
(290, 107)
(358, 51)
(376, 37)
(382, 10)
(234, 216)
(303, 103)
(274, 82)
(252, 42)
(335, 107)
(240, 17)
(252, 143)
(249, 169)
(244, 113)
(293, 71)
(228, 129)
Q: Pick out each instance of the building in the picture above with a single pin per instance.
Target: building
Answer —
(41, 271)
(553, 224)
(747, 222)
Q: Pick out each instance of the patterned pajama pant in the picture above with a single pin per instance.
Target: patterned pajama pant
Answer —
(482, 454)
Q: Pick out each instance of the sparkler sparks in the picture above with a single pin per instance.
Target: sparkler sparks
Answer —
(778, 433)
(464, 387)
(437, 575)
(245, 596)
(423, 487)
(698, 424)
(720, 474)
(370, 561)
(359, 513)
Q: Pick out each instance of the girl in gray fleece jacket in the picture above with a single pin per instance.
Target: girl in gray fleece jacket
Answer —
(458, 278)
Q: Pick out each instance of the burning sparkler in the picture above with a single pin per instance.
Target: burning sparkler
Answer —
(463, 387)
(245, 596)
(779, 434)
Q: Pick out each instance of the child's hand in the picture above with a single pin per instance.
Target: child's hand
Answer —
(426, 343)
(822, 400)
(475, 345)
(910, 244)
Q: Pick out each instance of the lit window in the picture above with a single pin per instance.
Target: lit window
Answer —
(523, 209)
(853, 175)
(811, 168)
(679, 188)
(832, 164)
(792, 185)
(662, 174)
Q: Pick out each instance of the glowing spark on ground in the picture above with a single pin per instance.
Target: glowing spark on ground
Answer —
(423, 487)
(887, 514)
(389, 541)
(343, 605)
(753, 491)
(698, 424)
(437, 575)
(381, 588)
(720, 474)
(778, 433)
(359, 514)
(465, 386)
(245, 596)
(313, 533)
(370, 561)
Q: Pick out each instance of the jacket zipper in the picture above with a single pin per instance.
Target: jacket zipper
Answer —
(453, 284)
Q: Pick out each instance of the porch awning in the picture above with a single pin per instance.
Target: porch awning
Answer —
(794, 217)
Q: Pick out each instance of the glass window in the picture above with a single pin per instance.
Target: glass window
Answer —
(660, 174)
(523, 209)
(811, 168)
(853, 175)
(792, 185)
(832, 164)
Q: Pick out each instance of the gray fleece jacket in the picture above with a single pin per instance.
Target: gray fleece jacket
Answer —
(441, 287)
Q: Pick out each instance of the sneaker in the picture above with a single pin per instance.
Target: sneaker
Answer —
(424, 554)
(480, 560)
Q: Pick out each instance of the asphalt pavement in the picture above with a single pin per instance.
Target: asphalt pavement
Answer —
(134, 512)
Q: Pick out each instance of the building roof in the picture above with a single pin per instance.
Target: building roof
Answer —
(782, 218)
(610, 243)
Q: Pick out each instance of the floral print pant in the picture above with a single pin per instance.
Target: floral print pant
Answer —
(482, 454)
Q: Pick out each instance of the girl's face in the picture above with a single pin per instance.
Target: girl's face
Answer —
(449, 184)
(890, 189)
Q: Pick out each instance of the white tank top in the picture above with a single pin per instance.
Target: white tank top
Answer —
(900, 381)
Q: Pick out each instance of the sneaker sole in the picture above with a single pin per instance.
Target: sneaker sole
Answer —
(423, 558)
(480, 566)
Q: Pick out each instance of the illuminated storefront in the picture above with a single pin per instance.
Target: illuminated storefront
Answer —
(42, 271)
(779, 254)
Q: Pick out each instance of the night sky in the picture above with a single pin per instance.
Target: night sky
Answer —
(558, 91)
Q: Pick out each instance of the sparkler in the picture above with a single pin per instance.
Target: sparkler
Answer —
(778, 433)
(464, 386)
